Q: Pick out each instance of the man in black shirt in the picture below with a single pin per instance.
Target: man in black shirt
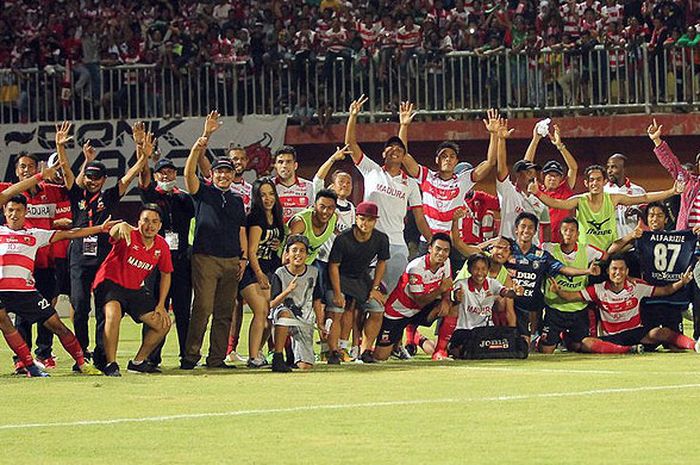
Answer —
(218, 253)
(91, 204)
(178, 210)
(352, 285)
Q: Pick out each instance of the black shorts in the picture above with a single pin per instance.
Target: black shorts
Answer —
(31, 306)
(134, 302)
(392, 329)
(62, 276)
(267, 266)
(630, 337)
(45, 279)
(665, 315)
(574, 324)
(522, 321)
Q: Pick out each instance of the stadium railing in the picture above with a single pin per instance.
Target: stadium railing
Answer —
(632, 79)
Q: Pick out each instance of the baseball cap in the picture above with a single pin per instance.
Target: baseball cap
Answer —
(96, 169)
(524, 165)
(553, 166)
(462, 167)
(164, 163)
(222, 162)
(297, 238)
(395, 140)
(367, 209)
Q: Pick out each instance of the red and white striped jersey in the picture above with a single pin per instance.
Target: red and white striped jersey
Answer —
(460, 16)
(304, 41)
(368, 34)
(294, 198)
(619, 311)
(694, 215)
(442, 197)
(418, 279)
(335, 41)
(613, 14)
(409, 39)
(570, 19)
(17, 255)
(594, 5)
(388, 37)
(244, 190)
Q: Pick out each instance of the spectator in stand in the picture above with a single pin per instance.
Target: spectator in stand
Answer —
(335, 41)
(409, 38)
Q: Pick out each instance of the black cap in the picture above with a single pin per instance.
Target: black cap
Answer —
(553, 166)
(222, 162)
(164, 163)
(524, 165)
(96, 169)
(395, 140)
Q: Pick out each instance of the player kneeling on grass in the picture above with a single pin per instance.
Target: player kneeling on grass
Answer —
(476, 297)
(421, 296)
(119, 288)
(296, 306)
(618, 299)
(18, 294)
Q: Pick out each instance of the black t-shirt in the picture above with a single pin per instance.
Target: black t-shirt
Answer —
(354, 256)
(178, 210)
(91, 210)
(219, 216)
(269, 233)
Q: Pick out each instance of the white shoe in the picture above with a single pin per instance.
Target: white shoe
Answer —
(697, 346)
(236, 357)
(355, 352)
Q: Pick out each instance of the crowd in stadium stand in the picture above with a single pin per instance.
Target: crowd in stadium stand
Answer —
(537, 267)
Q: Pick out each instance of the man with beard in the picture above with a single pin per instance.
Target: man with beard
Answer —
(296, 194)
(619, 183)
(393, 192)
(177, 210)
(317, 223)
(91, 204)
(218, 253)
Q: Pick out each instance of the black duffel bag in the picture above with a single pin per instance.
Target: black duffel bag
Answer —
(488, 342)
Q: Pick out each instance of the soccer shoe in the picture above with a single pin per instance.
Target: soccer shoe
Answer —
(256, 362)
(234, 357)
(355, 352)
(367, 357)
(401, 353)
(279, 365)
(697, 346)
(412, 349)
(637, 349)
(143, 367)
(345, 356)
(112, 369)
(48, 362)
(440, 355)
(33, 371)
(20, 369)
(88, 369)
(333, 358)
(187, 365)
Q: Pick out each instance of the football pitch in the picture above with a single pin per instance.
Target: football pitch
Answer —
(561, 409)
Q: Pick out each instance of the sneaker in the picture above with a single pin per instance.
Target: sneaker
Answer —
(48, 362)
(440, 355)
(367, 357)
(88, 369)
(355, 352)
(334, 358)
(345, 356)
(234, 357)
(112, 369)
(20, 369)
(637, 349)
(76, 368)
(187, 365)
(279, 365)
(256, 363)
(221, 366)
(401, 353)
(412, 349)
(33, 371)
(697, 346)
(143, 367)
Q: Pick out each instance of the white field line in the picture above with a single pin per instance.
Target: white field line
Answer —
(573, 372)
(309, 408)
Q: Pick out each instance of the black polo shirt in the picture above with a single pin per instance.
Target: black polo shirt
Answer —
(219, 216)
(91, 210)
(177, 208)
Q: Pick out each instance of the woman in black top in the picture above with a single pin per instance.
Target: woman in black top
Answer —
(265, 234)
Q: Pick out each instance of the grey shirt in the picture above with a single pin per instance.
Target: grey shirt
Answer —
(300, 300)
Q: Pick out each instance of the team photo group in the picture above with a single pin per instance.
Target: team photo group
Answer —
(310, 277)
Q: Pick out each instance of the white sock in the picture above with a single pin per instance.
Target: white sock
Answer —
(343, 344)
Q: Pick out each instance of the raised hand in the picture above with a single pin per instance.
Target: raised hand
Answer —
(678, 187)
(138, 130)
(503, 131)
(654, 132)
(109, 223)
(532, 187)
(638, 230)
(356, 105)
(89, 151)
(555, 137)
(687, 276)
(594, 269)
(406, 113)
(49, 172)
(491, 121)
(211, 123)
(148, 144)
(62, 131)
(341, 152)
(460, 213)
(201, 143)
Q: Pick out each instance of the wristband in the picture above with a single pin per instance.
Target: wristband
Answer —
(39, 177)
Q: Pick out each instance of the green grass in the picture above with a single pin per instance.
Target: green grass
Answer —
(561, 409)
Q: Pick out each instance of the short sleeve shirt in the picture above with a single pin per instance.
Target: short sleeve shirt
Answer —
(476, 306)
(91, 210)
(394, 195)
(442, 197)
(18, 249)
(513, 202)
(219, 216)
(619, 311)
(355, 257)
(556, 215)
(418, 279)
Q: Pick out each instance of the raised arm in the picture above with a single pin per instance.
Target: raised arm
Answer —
(406, 114)
(350, 135)
(484, 168)
(501, 153)
(571, 164)
(532, 147)
(622, 199)
(563, 204)
(143, 153)
(77, 233)
(663, 152)
(25, 185)
(674, 287)
(191, 179)
(62, 138)
(338, 155)
(90, 154)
